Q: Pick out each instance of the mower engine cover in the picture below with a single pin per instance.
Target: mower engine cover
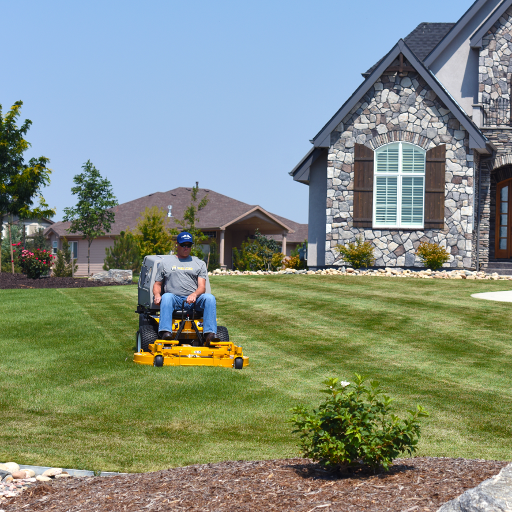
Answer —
(148, 272)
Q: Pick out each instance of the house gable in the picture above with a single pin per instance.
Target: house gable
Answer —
(477, 139)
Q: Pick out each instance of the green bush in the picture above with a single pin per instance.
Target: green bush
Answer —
(124, 254)
(432, 255)
(358, 254)
(355, 425)
(62, 266)
(258, 254)
(214, 257)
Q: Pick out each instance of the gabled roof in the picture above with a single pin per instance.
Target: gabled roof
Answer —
(476, 38)
(422, 40)
(454, 32)
(476, 138)
(220, 212)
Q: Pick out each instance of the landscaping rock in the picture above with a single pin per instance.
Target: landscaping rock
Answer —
(493, 495)
(4, 474)
(113, 276)
(52, 472)
(41, 478)
(19, 475)
(10, 467)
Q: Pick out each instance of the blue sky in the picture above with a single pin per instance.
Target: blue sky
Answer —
(162, 94)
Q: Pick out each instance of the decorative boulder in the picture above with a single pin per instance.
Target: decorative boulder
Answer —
(492, 495)
(114, 276)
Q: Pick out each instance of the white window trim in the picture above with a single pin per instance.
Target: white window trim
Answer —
(399, 175)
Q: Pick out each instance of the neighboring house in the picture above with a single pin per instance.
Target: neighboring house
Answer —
(422, 151)
(32, 226)
(224, 219)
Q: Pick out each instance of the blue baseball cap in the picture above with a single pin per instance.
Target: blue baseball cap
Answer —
(185, 237)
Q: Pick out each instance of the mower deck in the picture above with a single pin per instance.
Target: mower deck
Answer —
(170, 353)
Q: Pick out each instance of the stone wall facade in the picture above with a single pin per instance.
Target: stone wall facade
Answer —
(401, 108)
(495, 68)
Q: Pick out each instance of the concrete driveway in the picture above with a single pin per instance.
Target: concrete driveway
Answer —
(498, 296)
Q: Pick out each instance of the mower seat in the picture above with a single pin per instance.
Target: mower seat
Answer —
(179, 313)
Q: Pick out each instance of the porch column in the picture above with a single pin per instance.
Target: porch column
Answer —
(221, 249)
(283, 249)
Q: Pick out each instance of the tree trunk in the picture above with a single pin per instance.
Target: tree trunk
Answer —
(10, 245)
(89, 258)
(24, 232)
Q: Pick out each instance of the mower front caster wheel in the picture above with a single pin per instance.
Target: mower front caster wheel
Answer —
(158, 361)
(239, 363)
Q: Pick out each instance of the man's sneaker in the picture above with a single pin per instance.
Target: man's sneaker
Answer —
(165, 335)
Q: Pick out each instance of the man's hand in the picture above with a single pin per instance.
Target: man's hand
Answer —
(157, 292)
(192, 298)
(157, 299)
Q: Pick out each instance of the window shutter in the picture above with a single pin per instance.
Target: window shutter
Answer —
(363, 186)
(435, 187)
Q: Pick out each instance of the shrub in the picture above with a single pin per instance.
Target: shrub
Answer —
(124, 254)
(62, 266)
(432, 255)
(358, 254)
(214, 257)
(355, 425)
(292, 262)
(258, 254)
(34, 264)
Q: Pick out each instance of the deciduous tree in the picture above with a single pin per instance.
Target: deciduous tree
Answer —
(20, 183)
(92, 216)
(151, 233)
(124, 254)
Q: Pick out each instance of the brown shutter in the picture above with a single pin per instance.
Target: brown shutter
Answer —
(363, 186)
(435, 187)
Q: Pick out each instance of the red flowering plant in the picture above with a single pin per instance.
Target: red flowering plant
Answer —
(33, 264)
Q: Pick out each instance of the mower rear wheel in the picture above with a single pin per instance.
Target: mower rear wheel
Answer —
(222, 333)
(148, 335)
(239, 363)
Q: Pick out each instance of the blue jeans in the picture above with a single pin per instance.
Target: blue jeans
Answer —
(206, 301)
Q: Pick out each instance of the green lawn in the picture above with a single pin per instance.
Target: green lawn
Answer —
(71, 396)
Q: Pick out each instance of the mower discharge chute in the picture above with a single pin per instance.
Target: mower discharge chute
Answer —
(186, 346)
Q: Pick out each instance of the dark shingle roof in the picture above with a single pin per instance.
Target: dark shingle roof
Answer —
(220, 210)
(422, 40)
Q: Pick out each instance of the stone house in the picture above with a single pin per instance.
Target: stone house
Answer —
(422, 151)
(224, 219)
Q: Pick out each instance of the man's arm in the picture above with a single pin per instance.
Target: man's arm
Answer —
(201, 288)
(157, 292)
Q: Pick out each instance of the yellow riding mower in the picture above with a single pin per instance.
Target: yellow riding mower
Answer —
(186, 348)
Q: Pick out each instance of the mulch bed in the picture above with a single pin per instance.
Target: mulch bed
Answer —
(417, 484)
(10, 281)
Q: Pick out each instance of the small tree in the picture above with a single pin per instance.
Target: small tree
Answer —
(63, 265)
(38, 241)
(359, 254)
(92, 216)
(214, 258)
(258, 254)
(124, 254)
(7, 245)
(189, 221)
(151, 234)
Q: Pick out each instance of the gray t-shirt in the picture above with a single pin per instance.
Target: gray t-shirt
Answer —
(180, 276)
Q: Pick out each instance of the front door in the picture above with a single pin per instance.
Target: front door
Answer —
(503, 219)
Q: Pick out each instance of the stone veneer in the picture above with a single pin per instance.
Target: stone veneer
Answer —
(494, 64)
(495, 75)
(401, 108)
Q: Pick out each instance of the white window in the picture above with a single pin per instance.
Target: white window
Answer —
(55, 246)
(73, 249)
(399, 187)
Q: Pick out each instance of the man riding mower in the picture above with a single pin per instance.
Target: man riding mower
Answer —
(179, 326)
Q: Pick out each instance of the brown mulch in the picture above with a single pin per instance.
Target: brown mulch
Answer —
(10, 281)
(417, 484)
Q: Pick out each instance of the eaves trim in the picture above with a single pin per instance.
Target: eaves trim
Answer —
(454, 32)
(476, 39)
(260, 209)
